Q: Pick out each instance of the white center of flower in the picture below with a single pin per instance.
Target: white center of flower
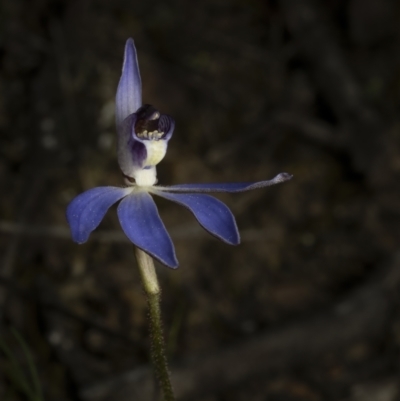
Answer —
(146, 177)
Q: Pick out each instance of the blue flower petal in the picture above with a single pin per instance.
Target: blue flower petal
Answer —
(87, 210)
(129, 92)
(142, 224)
(211, 213)
(226, 187)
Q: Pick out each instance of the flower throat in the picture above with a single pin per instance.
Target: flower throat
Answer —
(147, 123)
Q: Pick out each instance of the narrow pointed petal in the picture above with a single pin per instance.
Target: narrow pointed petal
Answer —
(142, 224)
(129, 92)
(226, 187)
(213, 215)
(88, 209)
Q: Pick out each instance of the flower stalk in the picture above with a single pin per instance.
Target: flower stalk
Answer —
(153, 293)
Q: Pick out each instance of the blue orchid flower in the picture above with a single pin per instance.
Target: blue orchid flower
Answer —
(143, 135)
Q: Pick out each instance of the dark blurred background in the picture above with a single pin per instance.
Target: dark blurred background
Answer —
(308, 306)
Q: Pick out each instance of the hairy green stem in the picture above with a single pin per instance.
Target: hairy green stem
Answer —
(152, 289)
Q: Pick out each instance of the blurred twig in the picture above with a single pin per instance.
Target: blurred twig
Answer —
(183, 232)
(313, 129)
(317, 41)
